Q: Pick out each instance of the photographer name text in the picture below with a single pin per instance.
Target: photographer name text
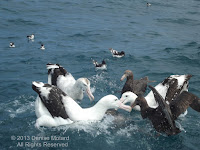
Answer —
(41, 141)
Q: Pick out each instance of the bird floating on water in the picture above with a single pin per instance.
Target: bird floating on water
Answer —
(117, 54)
(59, 109)
(102, 66)
(31, 37)
(148, 4)
(58, 76)
(12, 45)
(169, 88)
(42, 47)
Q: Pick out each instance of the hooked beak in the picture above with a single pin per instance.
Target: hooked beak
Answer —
(89, 93)
(125, 107)
(123, 77)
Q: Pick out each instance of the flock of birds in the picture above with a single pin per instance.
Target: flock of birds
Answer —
(30, 38)
(57, 104)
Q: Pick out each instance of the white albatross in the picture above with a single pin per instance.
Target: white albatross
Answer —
(57, 75)
(60, 109)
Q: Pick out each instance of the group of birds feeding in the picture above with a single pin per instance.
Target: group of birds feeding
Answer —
(30, 38)
(56, 103)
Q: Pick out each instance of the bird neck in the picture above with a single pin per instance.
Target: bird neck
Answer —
(77, 92)
(144, 108)
(143, 104)
(129, 77)
(100, 106)
(97, 111)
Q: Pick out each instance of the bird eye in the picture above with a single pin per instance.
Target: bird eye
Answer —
(116, 99)
(126, 96)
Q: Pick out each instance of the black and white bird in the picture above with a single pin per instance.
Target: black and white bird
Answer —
(117, 54)
(31, 37)
(58, 76)
(98, 66)
(59, 108)
(148, 4)
(49, 107)
(42, 47)
(12, 45)
(163, 117)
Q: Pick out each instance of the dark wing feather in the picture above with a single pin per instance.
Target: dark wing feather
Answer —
(195, 104)
(128, 86)
(182, 102)
(140, 86)
(164, 106)
(54, 103)
(56, 72)
(172, 91)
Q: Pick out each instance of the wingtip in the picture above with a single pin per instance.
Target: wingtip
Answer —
(52, 66)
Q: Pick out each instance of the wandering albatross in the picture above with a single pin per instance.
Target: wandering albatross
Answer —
(58, 76)
(61, 106)
(163, 117)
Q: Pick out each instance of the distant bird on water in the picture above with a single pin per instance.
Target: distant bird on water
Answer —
(148, 4)
(12, 45)
(101, 66)
(31, 37)
(42, 47)
(117, 54)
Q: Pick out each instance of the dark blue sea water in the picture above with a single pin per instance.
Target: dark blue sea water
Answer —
(159, 41)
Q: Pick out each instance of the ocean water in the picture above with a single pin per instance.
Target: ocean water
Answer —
(159, 41)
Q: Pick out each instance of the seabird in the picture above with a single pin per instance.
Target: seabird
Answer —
(12, 45)
(42, 47)
(163, 117)
(135, 86)
(169, 89)
(49, 107)
(31, 37)
(148, 4)
(58, 76)
(117, 54)
(101, 66)
(60, 105)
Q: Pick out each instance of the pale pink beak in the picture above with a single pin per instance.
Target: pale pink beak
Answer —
(89, 93)
(123, 77)
(121, 100)
(125, 107)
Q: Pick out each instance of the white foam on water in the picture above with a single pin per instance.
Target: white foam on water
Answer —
(20, 105)
(94, 128)
(179, 126)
